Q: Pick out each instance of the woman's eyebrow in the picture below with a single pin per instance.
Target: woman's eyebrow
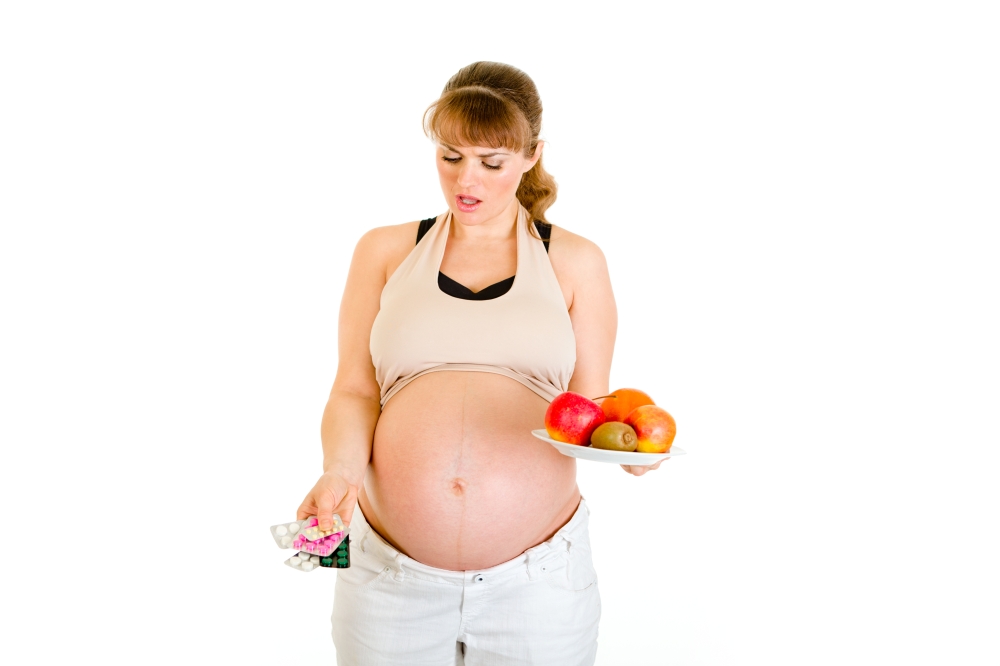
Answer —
(493, 154)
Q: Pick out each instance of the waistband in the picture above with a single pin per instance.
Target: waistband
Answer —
(534, 560)
(544, 390)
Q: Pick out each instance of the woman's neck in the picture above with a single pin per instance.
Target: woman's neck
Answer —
(500, 227)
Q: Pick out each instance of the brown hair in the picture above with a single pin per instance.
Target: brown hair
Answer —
(492, 104)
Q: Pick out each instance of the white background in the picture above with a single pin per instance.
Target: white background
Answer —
(798, 203)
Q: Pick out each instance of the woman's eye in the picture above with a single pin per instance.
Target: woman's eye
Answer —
(492, 166)
(452, 160)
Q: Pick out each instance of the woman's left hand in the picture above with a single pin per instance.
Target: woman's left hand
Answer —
(639, 470)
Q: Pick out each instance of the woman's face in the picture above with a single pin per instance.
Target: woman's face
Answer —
(479, 182)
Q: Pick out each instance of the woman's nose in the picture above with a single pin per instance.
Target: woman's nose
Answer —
(466, 175)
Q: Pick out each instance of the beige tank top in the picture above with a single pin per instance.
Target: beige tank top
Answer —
(525, 334)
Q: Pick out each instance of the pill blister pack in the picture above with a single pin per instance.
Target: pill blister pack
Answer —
(322, 547)
(317, 548)
(311, 531)
(303, 561)
(339, 559)
(285, 534)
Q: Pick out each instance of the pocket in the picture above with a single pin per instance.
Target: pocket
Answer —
(361, 578)
(365, 569)
(573, 573)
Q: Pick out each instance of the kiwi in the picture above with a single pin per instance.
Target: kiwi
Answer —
(614, 436)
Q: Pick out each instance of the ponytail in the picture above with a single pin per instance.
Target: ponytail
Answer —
(537, 192)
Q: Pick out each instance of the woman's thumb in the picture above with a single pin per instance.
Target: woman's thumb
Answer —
(326, 503)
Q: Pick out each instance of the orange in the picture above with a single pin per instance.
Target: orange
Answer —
(620, 403)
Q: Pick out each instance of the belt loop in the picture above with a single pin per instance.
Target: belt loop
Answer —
(397, 563)
(531, 562)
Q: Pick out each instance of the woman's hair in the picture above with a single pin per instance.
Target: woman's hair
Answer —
(492, 104)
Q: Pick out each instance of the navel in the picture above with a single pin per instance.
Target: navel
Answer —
(458, 486)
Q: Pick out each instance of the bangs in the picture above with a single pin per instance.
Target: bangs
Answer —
(477, 116)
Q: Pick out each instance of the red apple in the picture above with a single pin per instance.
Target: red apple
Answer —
(654, 428)
(571, 418)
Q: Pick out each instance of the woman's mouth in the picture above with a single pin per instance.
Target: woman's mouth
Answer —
(467, 204)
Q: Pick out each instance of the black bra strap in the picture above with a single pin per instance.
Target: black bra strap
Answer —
(425, 226)
(544, 230)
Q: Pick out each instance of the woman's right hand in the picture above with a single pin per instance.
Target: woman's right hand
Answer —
(331, 494)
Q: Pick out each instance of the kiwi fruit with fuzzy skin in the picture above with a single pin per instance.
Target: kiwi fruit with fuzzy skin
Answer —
(614, 436)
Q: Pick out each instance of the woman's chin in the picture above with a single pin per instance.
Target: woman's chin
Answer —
(473, 218)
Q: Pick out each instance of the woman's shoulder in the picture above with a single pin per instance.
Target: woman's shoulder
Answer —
(387, 246)
(390, 236)
(573, 252)
(579, 265)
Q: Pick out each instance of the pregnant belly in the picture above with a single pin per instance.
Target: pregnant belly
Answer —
(457, 481)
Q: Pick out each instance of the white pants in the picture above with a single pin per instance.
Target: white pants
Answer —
(542, 607)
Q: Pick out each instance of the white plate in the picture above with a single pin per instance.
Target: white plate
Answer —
(603, 455)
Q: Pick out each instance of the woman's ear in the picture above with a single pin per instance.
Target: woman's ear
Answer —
(534, 158)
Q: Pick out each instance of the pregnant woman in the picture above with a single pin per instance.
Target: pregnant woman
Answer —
(469, 539)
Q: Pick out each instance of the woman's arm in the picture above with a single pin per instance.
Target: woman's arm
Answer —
(582, 271)
(583, 275)
(353, 408)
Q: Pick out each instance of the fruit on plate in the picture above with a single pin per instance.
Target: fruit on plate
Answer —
(620, 403)
(654, 428)
(614, 436)
(571, 418)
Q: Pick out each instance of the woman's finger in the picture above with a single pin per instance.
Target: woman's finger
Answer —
(639, 470)
(327, 502)
(306, 509)
(345, 508)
